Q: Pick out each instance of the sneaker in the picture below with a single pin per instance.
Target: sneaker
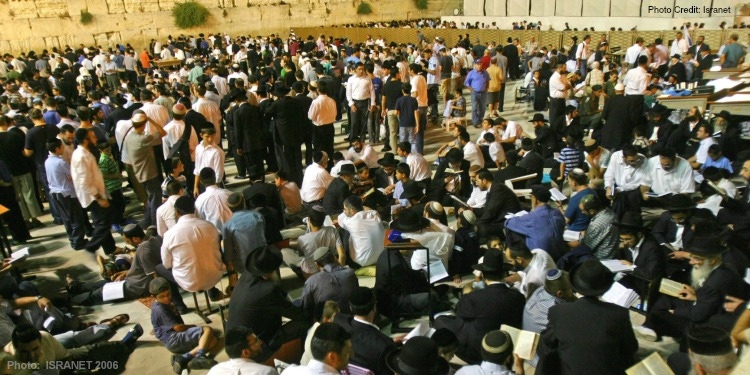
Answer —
(645, 333)
(201, 363)
(179, 363)
(137, 331)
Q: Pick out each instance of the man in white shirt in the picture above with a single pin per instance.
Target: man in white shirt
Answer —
(365, 229)
(212, 204)
(331, 347)
(582, 55)
(419, 168)
(91, 191)
(632, 53)
(190, 253)
(419, 91)
(637, 79)
(242, 346)
(365, 153)
(165, 214)
(706, 140)
(207, 154)
(316, 180)
(360, 94)
(679, 45)
(668, 173)
(558, 92)
(158, 115)
(322, 113)
(210, 110)
(626, 171)
(531, 267)
(472, 153)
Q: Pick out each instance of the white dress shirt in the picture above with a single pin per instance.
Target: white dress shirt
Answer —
(209, 156)
(174, 130)
(677, 180)
(315, 183)
(419, 167)
(211, 111)
(121, 129)
(679, 47)
(473, 154)
(221, 85)
(624, 176)
(485, 368)
(557, 88)
(337, 167)
(158, 114)
(512, 129)
(632, 53)
(213, 207)
(322, 111)
(191, 250)
(241, 366)
(478, 198)
(440, 245)
(87, 177)
(419, 85)
(314, 367)
(360, 88)
(367, 155)
(366, 236)
(702, 154)
(636, 81)
(165, 215)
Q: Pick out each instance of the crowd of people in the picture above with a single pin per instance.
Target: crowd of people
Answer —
(75, 119)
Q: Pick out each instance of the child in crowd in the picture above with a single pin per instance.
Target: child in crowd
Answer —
(407, 110)
(207, 154)
(192, 344)
(113, 181)
(717, 159)
(175, 175)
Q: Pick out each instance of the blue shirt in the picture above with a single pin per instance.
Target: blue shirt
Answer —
(477, 80)
(58, 176)
(578, 221)
(163, 318)
(406, 106)
(722, 163)
(52, 117)
(543, 228)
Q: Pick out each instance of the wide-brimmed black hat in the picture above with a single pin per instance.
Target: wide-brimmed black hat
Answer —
(280, 89)
(263, 260)
(630, 220)
(710, 341)
(707, 245)
(347, 169)
(454, 155)
(658, 109)
(388, 160)
(419, 356)
(410, 221)
(412, 189)
(724, 114)
(591, 278)
(493, 262)
(680, 202)
(538, 117)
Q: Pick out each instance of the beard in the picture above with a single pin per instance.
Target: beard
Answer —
(700, 273)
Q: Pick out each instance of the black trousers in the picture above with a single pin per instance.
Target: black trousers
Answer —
(556, 108)
(358, 120)
(73, 218)
(323, 139)
(13, 217)
(101, 236)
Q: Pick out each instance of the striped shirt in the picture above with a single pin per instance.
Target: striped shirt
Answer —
(108, 165)
(571, 157)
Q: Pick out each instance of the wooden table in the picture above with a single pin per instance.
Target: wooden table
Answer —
(164, 63)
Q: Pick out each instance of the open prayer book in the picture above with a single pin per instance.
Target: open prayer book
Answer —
(524, 342)
(657, 195)
(670, 287)
(571, 235)
(422, 329)
(19, 255)
(652, 365)
(468, 279)
(459, 201)
(113, 291)
(620, 295)
(517, 214)
(615, 266)
(557, 195)
(437, 271)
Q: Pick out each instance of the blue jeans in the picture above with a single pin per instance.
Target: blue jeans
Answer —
(407, 135)
(477, 107)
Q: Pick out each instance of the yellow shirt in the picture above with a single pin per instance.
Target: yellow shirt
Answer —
(496, 78)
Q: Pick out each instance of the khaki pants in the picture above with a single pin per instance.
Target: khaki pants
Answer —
(24, 187)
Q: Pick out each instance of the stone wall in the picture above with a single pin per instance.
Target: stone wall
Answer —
(39, 24)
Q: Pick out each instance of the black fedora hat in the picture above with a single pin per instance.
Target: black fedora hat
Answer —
(630, 220)
(680, 202)
(724, 114)
(591, 278)
(347, 169)
(280, 89)
(707, 245)
(263, 260)
(454, 155)
(419, 356)
(410, 221)
(412, 189)
(493, 262)
(388, 160)
(658, 109)
(538, 117)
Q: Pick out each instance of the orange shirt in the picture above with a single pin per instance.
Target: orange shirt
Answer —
(145, 60)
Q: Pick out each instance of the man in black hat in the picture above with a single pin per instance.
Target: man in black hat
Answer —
(501, 200)
(640, 249)
(338, 190)
(658, 120)
(454, 181)
(672, 231)
(259, 303)
(545, 142)
(705, 62)
(710, 351)
(248, 126)
(587, 336)
(710, 285)
(419, 356)
(386, 175)
(484, 309)
(414, 192)
(371, 346)
(497, 355)
(288, 116)
(258, 185)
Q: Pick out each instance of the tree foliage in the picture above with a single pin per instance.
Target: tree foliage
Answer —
(190, 14)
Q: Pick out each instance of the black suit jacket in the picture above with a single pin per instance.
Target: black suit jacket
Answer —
(500, 202)
(398, 280)
(665, 230)
(704, 63)
(288, 120)
(722, 282)
(546, 141)
(438, 181)
(695, 50)
(273, 199)
(196, 120)
(510, 172)
(482, 311)
(533, 163)
(259, 304)
(617, 129)
(649, 265)
(333, 200)
(370, 347)
(248, 126)
(587, 336)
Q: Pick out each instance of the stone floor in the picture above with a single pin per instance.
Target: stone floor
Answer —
(52, 258)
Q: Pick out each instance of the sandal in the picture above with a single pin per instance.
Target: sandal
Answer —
(117, 321)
